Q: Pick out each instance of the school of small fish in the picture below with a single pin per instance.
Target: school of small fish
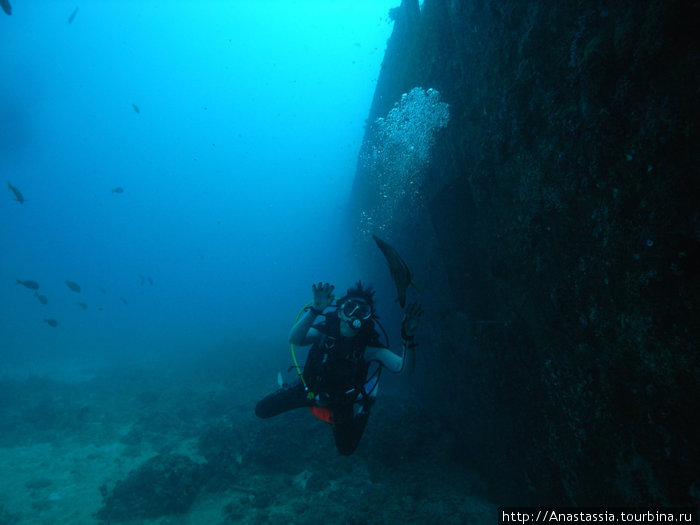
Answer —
(19, 198)
(75, 288)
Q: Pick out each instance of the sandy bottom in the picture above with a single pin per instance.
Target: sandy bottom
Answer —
(65, 444)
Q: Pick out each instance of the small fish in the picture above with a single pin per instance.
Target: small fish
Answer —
(82, 305)
(73, 287)
(72, 16)
(83, 413)
(118, 189)
(42, 298)
(136, 108)
(398, 268)
(6, 6)
(18, 196)
(32, 285)
(123, 300)
(102, 290)
(150, 281)
(51, 322)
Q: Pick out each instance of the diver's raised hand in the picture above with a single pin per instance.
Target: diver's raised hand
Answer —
(410, 320)
(323, 296)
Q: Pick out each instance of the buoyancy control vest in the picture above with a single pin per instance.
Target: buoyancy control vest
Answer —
(335, 368)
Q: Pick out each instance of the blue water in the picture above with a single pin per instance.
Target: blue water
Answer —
(236, 172)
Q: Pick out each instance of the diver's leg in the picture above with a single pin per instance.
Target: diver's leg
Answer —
(348, 428)
(282, 400)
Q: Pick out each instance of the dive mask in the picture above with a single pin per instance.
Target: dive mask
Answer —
(356, 308)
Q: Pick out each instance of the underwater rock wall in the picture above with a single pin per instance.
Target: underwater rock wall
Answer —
(556, 240)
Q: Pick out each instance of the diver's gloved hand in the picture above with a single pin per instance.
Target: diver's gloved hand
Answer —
(323, 296)
(410, 320)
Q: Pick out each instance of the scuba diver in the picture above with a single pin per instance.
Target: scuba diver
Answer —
(339, 379)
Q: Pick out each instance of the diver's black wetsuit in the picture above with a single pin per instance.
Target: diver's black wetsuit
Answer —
(347, 426)
(336, 372)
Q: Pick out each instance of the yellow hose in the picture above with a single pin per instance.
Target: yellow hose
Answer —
(294, 356)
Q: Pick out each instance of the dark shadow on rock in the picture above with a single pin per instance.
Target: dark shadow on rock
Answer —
(164, 485)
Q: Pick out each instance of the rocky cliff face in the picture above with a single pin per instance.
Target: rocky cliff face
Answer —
(555, 232)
